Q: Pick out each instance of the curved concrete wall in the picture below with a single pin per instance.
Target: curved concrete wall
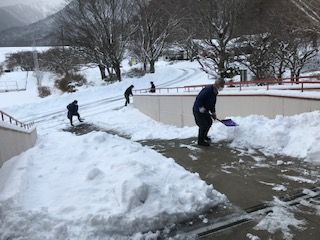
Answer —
(14, 141)
(177, 109)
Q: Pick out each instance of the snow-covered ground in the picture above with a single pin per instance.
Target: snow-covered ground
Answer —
(103, 186)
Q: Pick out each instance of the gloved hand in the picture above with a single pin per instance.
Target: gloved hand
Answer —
(202, 109)
(214, 116)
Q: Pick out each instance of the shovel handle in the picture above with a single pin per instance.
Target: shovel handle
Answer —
(213, 118)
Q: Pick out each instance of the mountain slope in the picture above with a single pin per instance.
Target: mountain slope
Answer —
(27, 13)
(40, 33)
(8, 21)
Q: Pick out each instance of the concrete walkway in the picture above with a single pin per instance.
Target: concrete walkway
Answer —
(250, 181)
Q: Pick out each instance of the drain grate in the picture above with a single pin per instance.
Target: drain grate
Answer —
(250, 214)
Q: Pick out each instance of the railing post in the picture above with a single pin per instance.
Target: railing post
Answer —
(302, 87)
(15, 121)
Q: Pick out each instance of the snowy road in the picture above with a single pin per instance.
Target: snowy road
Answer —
(56, 117)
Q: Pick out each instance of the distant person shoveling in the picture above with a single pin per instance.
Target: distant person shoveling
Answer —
(73, 111)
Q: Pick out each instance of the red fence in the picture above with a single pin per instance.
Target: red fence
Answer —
(7, 118)
(283, 83)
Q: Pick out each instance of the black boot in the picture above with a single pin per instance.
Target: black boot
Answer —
(201, 139)
(70, 118)
(206, 136)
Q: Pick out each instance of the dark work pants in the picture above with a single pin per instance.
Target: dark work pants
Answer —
(127, 100)
(204, 122)
(70, 115)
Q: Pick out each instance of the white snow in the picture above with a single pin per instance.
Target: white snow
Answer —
(104, 186)
(280, 218)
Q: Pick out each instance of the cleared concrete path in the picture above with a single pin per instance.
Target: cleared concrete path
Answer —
(249, 179)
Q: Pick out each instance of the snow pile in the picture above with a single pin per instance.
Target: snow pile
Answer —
(100, 181)
(273, 223)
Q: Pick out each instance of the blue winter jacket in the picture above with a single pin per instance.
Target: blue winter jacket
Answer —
(207, 99)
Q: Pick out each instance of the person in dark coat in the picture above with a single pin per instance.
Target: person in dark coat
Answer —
(73, 111)
(127, 93)
(152, 88)
(204, 106)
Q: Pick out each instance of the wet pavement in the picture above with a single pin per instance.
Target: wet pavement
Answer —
(249, 179)
(237, 173)
(82, 128)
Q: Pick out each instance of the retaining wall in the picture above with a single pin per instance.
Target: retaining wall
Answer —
(177, 109)
(14, 141)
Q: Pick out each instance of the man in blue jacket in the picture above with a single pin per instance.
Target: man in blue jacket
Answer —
(204, 106)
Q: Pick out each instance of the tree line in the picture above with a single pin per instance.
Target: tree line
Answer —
(266, 37)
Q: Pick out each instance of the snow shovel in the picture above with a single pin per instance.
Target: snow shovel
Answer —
(227, 122)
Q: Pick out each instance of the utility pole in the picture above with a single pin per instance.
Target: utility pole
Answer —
(36, 73)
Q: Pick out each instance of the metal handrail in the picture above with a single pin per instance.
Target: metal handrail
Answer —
(263, 82)
(12, 120)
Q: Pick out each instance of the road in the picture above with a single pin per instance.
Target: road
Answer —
(55, 117)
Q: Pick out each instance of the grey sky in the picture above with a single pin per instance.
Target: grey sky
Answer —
(13, 2)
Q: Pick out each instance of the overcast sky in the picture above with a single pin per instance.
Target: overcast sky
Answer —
(13, 2)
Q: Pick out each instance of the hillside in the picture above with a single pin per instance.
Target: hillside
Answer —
(20, 24)
(19, 28)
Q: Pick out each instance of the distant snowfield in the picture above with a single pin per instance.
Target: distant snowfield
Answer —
(103, 186)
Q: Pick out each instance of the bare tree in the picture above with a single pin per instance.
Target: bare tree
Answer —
(310, 11)
(279, 51)
(100, 28)
(268, 55)
(259, 55)
(216, 21)
(156, 21)
(21, 59)
(61, 60)
(280, 63)
(1, 69)
(300, 51)
(298, 15)
(188, 29)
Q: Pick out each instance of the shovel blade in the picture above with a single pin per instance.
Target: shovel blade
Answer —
(229, 122)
